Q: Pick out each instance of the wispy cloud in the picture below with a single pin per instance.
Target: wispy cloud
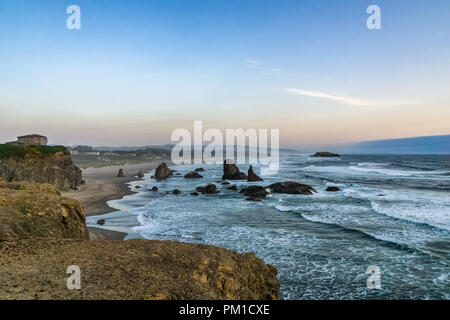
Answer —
(347, 100)
(262, 65)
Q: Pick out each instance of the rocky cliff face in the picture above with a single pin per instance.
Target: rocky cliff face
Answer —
(29, 209)
(56, 169)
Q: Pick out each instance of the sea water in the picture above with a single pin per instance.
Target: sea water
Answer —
(392, 211)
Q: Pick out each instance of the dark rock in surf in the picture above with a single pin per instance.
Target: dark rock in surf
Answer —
(176, 191)
(253, 199)
(232, 172)
(209, 189)
(101, 222)
(332, 189)
(194, 193)
(233, 188)
(291, 187)
(252, 176)
(199, 170)
(155, 189)
(324, 154)
(140, 174)
(193, 175)
(254, 192)
(120, 173)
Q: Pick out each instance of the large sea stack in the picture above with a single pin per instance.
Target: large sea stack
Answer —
(232, 172)
(163, 172)
(252, 176)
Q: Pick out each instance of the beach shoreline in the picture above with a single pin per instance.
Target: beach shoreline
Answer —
(102, 185)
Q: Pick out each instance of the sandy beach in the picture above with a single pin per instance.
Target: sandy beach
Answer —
(102, 185)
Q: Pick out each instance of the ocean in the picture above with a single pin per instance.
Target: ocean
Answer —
(392, 211)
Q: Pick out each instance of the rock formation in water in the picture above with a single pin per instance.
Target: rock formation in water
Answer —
(291, 187)
(163, 172)
(209, 189)
(254, 192)
(232, 172)
(332, 189)
(140, 174)
(199, 170)
(30, 209)
(120, 174)
(252, 176)
(325, 154)
(35, 164)
(193, 175)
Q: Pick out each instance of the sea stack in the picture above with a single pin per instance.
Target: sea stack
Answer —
(324, 154)
(163, 172)
(232, 172)
(120, 173)
(252, 176)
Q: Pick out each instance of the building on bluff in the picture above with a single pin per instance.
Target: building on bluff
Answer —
(31, 139)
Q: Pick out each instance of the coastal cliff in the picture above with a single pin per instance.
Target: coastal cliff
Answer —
(43, 164)
(30, 209)
(43, 233)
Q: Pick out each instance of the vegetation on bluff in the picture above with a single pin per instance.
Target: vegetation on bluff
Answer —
(20, 151)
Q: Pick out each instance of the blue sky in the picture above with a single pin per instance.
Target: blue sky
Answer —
(139, 69)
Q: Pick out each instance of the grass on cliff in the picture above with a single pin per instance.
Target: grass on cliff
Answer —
(20, 151)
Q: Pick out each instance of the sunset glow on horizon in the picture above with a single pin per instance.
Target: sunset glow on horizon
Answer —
(137, 70)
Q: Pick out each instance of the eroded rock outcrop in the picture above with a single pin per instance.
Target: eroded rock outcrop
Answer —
(163, 172)
(252, 176)
(56, 169)
(134, 269)
(232, 172)
(29, 209)
(291, 187)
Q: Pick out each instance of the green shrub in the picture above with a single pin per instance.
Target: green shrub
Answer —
(20, 151)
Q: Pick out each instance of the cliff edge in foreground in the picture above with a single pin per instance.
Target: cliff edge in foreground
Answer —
(132, 269)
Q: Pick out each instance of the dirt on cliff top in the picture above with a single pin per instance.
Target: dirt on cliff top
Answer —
(133, 269)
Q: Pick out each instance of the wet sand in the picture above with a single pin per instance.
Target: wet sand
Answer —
(102, 185)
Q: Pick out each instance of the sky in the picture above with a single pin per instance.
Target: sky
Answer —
(137, 70)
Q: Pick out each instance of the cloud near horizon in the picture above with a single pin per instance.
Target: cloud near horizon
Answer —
(346, 100)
